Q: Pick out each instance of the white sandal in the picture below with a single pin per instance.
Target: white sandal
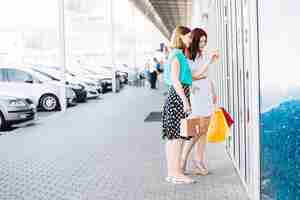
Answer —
(199, 168)
(168, 179)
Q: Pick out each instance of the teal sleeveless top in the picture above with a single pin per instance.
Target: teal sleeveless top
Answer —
(185, 75)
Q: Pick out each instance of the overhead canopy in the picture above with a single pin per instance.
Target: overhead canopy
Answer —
(166, 14)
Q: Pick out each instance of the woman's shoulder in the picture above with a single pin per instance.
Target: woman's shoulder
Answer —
(176, 53)
(175, 50)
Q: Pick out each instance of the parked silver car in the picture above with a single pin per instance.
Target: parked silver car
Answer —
(15, 110)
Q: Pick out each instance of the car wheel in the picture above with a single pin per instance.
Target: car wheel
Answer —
(3, 123)
(49, 102)
(82, 99)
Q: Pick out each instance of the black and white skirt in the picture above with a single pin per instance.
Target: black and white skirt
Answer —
(173, 113)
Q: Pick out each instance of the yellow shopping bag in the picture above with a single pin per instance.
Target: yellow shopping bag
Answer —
(218, 128)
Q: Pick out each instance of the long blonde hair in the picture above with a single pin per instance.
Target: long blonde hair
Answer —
(176, 41)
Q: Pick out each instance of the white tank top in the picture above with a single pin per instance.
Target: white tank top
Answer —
(200, 97)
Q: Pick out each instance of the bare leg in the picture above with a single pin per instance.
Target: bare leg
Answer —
(173, 152)
(177, 152)
(201, 144)
(187, 148)
(168, 154)
(200, 153)
(177, 161)
(200, 148)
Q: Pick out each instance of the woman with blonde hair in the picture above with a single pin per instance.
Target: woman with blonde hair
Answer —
(178, 77)
(203, 97)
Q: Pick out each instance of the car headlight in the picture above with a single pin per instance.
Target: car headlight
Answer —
(76, 86)
(16, 103)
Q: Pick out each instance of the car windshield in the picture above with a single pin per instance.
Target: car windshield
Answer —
(47, 75)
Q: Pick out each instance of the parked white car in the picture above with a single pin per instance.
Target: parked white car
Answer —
(43, 91)
(94, 90)
(15, 110)
(104, 79)
(90, 87)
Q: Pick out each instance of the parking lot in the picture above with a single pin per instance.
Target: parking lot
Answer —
(43, 117)
(31, 92)
(40, 116)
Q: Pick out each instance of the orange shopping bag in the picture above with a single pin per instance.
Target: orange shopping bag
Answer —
(218, 128)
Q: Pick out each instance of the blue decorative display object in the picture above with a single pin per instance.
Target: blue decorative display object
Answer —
(280, 143)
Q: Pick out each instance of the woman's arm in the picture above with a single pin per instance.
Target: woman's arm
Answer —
(200, 73)
(175, 71)
(197, 77)
(213, 92)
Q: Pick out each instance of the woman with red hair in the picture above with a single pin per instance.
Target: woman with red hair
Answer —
(203, 96)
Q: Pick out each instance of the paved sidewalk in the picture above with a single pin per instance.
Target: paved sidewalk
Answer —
(103, 150)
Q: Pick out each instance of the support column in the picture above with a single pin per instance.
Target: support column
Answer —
(112, 36)
(62, 54)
